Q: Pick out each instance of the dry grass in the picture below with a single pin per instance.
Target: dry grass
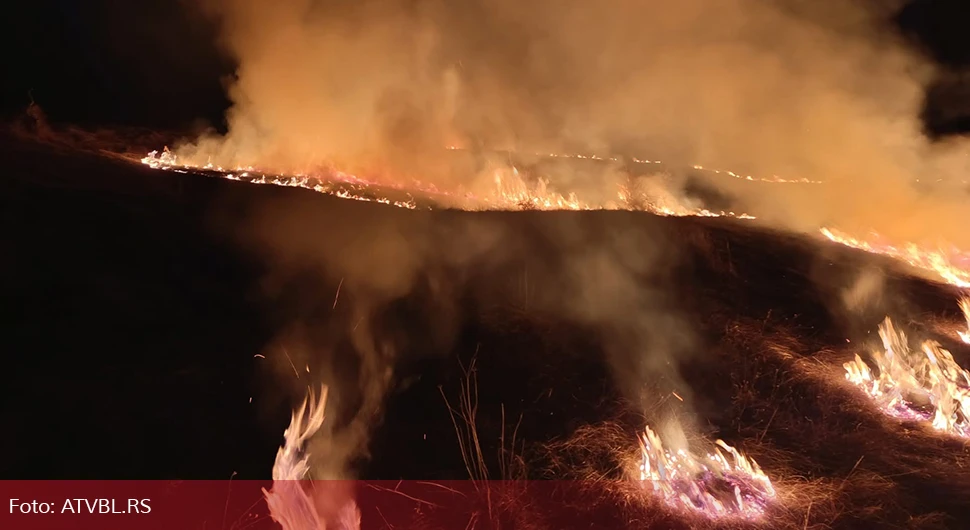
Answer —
(464, 418)
(492, 505)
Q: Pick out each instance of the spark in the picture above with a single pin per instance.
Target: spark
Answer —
(510, 192)
(336, 296)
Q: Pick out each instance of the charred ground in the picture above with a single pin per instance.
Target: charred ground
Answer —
(136, 314)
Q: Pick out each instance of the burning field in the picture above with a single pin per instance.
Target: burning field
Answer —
(695, 371)
(425, 266)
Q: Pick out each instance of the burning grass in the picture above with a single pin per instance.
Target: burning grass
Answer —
(830, 456)
(512, 192)
(714, 485)
(924, 384)
(291, 503)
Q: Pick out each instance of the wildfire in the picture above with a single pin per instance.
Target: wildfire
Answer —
(289, 503)
(510, 191)
(715, 485)
(773, 178)
(923, 385)
(952, 266)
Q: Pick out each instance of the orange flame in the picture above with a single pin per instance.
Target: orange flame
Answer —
(511, 192)
(289, 503)
(937, 261)
(715, 484)
(925, 384)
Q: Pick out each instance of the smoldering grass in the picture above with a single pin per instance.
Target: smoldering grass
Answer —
(467, 431)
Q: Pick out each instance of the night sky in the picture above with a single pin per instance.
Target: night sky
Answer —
(155, 63)
(151, 63)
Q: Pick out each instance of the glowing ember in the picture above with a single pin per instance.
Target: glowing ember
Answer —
(965, 308)
(952, 266)
(925, 384)
(289, 503)
(715, 485)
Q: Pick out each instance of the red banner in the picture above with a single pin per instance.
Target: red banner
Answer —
(242, 505)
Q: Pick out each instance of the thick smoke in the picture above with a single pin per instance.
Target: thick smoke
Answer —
(619, 277)
(817, 90)
(405, 279)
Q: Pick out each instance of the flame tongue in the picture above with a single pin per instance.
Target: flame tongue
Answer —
(715, 485)
(925, 384)
(291, 463)
(289, 503)
(965, 308)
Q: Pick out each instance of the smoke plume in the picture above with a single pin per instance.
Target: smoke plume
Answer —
(817, 90)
